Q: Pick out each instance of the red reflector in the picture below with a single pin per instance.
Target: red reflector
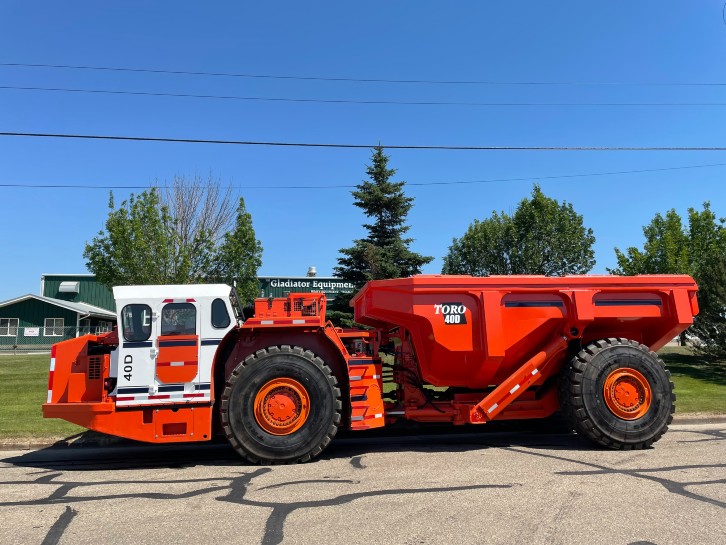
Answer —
(52, 351)
(176, 428)
(50, 380)
(191, 301)
(160, 396)
(194, 395)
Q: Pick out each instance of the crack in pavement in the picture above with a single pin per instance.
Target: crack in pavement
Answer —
(274, 528)
(236, 489)
(59, 527)
(711, 435)
(670, 485)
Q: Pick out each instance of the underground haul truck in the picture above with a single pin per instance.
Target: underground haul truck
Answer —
(187, 362)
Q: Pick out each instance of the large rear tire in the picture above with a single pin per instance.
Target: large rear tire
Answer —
(618, 394)
(281, 405)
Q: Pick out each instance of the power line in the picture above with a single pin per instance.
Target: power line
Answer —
(360, 80)
(347, 101)
(350, 186)
(564, 176)
(360, 146)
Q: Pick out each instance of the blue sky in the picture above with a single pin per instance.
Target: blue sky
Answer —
(44, 230)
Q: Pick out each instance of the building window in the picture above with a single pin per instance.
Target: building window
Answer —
(103, 327)
(220, 316)
(179, 319)
(53, 327)
(85, 327)
(136, 322)
(8, 327)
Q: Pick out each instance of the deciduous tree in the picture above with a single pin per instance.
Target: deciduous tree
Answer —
(190, 234)
(698, 250)
(543, 236)
(238, 257)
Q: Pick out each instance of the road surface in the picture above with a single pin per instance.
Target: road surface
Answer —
(509, 486)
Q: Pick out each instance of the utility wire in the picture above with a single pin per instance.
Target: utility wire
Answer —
(361, 146)
(359, 80)
(350, 186)
(346, 101)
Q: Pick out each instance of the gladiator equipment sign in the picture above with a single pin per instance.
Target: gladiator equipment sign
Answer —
(281, 286)
(454, 313)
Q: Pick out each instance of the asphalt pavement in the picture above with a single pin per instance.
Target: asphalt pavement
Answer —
(500, 486)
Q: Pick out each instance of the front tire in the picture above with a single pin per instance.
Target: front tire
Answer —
(281, 405)
(617, 394)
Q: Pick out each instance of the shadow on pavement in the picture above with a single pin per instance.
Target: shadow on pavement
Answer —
(125, 454)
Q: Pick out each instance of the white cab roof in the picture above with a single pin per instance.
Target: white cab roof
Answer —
(188, 291)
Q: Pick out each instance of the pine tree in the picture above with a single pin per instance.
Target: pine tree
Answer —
(384, 253)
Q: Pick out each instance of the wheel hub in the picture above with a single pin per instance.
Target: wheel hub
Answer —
(282, 406)
(627, 393)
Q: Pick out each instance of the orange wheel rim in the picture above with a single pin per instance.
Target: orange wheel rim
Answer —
(282, 406)
(627, 393)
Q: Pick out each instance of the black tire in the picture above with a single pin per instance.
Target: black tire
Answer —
(583, 402)
(240, 426)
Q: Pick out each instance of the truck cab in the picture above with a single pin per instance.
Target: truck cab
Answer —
(168, 337)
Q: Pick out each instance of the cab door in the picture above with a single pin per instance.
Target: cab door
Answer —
(133, 361)
(177, 359)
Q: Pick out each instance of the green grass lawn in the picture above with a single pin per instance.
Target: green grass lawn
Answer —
(700, 388)
(23, 389)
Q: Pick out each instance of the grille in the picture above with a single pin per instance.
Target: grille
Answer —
(94, 367)
(299, 305)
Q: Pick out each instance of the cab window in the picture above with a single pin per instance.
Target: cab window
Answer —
(179, 319)
(220, 315)
(136, 322)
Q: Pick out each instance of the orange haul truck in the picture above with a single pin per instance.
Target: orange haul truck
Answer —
(186, 362)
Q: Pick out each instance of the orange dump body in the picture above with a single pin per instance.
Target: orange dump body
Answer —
(475, 332)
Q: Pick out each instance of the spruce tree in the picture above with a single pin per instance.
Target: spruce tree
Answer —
(384, 253)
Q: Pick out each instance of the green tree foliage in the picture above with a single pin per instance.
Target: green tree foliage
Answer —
(145, 242)
(385, 252)
(698, 250)
(541, 237)
(238, 257)
(135, 247)
(709, 328)
(665, 250)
